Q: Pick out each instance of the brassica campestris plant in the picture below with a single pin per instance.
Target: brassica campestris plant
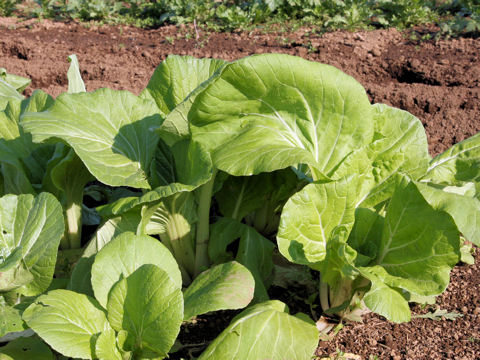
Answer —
(381, 220)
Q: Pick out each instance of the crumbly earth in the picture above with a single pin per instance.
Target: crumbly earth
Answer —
(439, 82)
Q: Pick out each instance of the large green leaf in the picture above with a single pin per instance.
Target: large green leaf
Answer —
(222, 287)
(182, 167)
(254, 251)
(12, 134)
(171, 84)
(26, 349)
(265, 331)
(267, 112)
(385, 300)
(30, 232)
(148, 304)
(464, 210)
(310, 216)
(176, 77)
(458, 164)
(109, 130)
(418, 247)
(68, 322)
(106, 232)
(123, 255)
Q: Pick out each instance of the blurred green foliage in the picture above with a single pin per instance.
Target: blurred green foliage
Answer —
(454, 17)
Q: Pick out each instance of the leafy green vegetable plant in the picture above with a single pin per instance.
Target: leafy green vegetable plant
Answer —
(380, 221)
(136, 306)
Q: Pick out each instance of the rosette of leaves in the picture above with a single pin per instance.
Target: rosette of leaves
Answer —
(381, 219)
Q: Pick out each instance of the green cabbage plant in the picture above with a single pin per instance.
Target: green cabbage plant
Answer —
(380, 219)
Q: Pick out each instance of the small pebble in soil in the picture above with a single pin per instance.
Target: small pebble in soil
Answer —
(376, 52)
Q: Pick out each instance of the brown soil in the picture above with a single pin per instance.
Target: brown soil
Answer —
(439, 82)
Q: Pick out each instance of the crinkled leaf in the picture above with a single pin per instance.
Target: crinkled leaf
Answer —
(109, 130)
(466, 253)
(440, 314)
(30, 232)
(148, 304)
(340, 258)
(222, 287)
(18, 82)
(267, 112)
(26, 348)
(7, 93)
(265, 331)
(310, 216)
(400, 146)
(69, 322)
(254, 251)
(458, 164)
(123, 255)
